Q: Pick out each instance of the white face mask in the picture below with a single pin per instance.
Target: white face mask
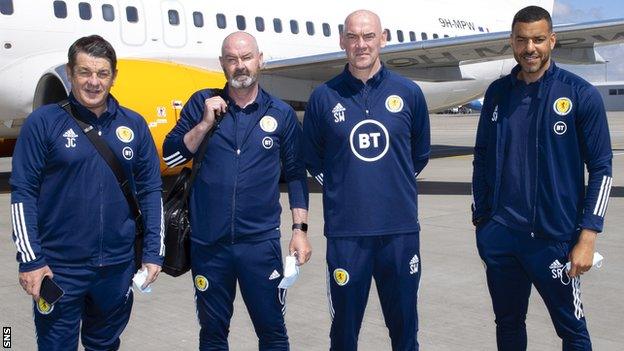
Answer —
(291, 272)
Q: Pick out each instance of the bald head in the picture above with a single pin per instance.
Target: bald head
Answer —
(362, 41)
(241, 60)
(363, 16)
(239, 40)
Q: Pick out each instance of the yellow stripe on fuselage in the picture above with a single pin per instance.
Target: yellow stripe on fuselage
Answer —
(157, 90)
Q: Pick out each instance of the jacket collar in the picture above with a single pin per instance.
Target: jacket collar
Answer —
(544, 81)
(111, 108)
(262, 98)
(373, 81)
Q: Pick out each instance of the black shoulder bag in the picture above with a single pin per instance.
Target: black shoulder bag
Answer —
(113, 162)
(176, 211)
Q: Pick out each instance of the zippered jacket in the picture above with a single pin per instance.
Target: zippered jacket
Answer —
(235, 196)
(366, 143)
(67, 207)
(572, 133)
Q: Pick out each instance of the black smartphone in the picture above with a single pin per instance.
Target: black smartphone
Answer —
(50, 291)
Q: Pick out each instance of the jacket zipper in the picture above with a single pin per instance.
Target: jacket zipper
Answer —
(537, 125)
(101, 217)
(365, 98)
(238, 151)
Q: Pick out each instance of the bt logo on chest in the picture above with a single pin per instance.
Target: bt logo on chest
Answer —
(369, 140)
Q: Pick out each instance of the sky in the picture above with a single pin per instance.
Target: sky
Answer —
(575, 11)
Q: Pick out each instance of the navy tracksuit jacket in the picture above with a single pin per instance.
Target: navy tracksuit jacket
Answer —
(569, 132)
(235, 212)
(366, 143)
(567, 140)
(69, 212)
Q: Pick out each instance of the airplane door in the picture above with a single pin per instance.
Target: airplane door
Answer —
(133, 21)
(174, 23)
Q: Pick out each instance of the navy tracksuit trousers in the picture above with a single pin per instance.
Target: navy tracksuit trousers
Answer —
(514, 260)
(393, 260)
(257, 266)
(100, 297)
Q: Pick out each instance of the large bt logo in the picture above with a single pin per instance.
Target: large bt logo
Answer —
(369, 140)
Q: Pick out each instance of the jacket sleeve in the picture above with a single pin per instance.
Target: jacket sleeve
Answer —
(28, 164)
(595, 145)
(421, 134)
(175, 152)
(292, 162)
(480, 188)
(149, 193)
(313, 141)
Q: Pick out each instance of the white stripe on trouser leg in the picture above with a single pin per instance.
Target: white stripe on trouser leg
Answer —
(600, 194)
(17, 241)
(281, 295)
(329, 297)
(171, 156)
(162, 229)
(605, 199)
(576, 293)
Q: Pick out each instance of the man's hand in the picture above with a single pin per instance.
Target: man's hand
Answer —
(152, 273)
(300, 244)
(214, 106)
(31, 281)
(582, 254)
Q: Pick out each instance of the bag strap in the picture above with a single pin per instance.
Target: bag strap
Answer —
(107, 154)
(201, 151)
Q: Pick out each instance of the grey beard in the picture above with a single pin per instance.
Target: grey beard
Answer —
(241, 84)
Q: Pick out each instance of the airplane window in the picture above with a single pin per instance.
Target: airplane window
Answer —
(174, 17)
(198, 19)
(132, 14)
(388, 35)
(221, 23)
(294, 27)
(435, 36)
(326, 29)
(310, 28)
(400, 37)
(620, 91)
(108, 12)
(84, 10)
(412, 36)
(341, 28)
(60, 9)
(423, 35)
(240, 22)
(260, 24)
(6, 7)
(277, 25)
(612, 91)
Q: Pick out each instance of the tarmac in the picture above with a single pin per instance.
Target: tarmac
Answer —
(454, 305)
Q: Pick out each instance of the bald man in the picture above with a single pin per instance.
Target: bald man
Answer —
(234, 203)
(366, 138)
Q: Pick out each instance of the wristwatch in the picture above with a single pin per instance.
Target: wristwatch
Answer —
(301, 226)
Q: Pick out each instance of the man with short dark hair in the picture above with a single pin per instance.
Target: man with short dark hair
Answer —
(366, 138)
(234, 202)
(539, 127)
(71, 221)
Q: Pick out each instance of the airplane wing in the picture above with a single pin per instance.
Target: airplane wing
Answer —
(441, 59)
